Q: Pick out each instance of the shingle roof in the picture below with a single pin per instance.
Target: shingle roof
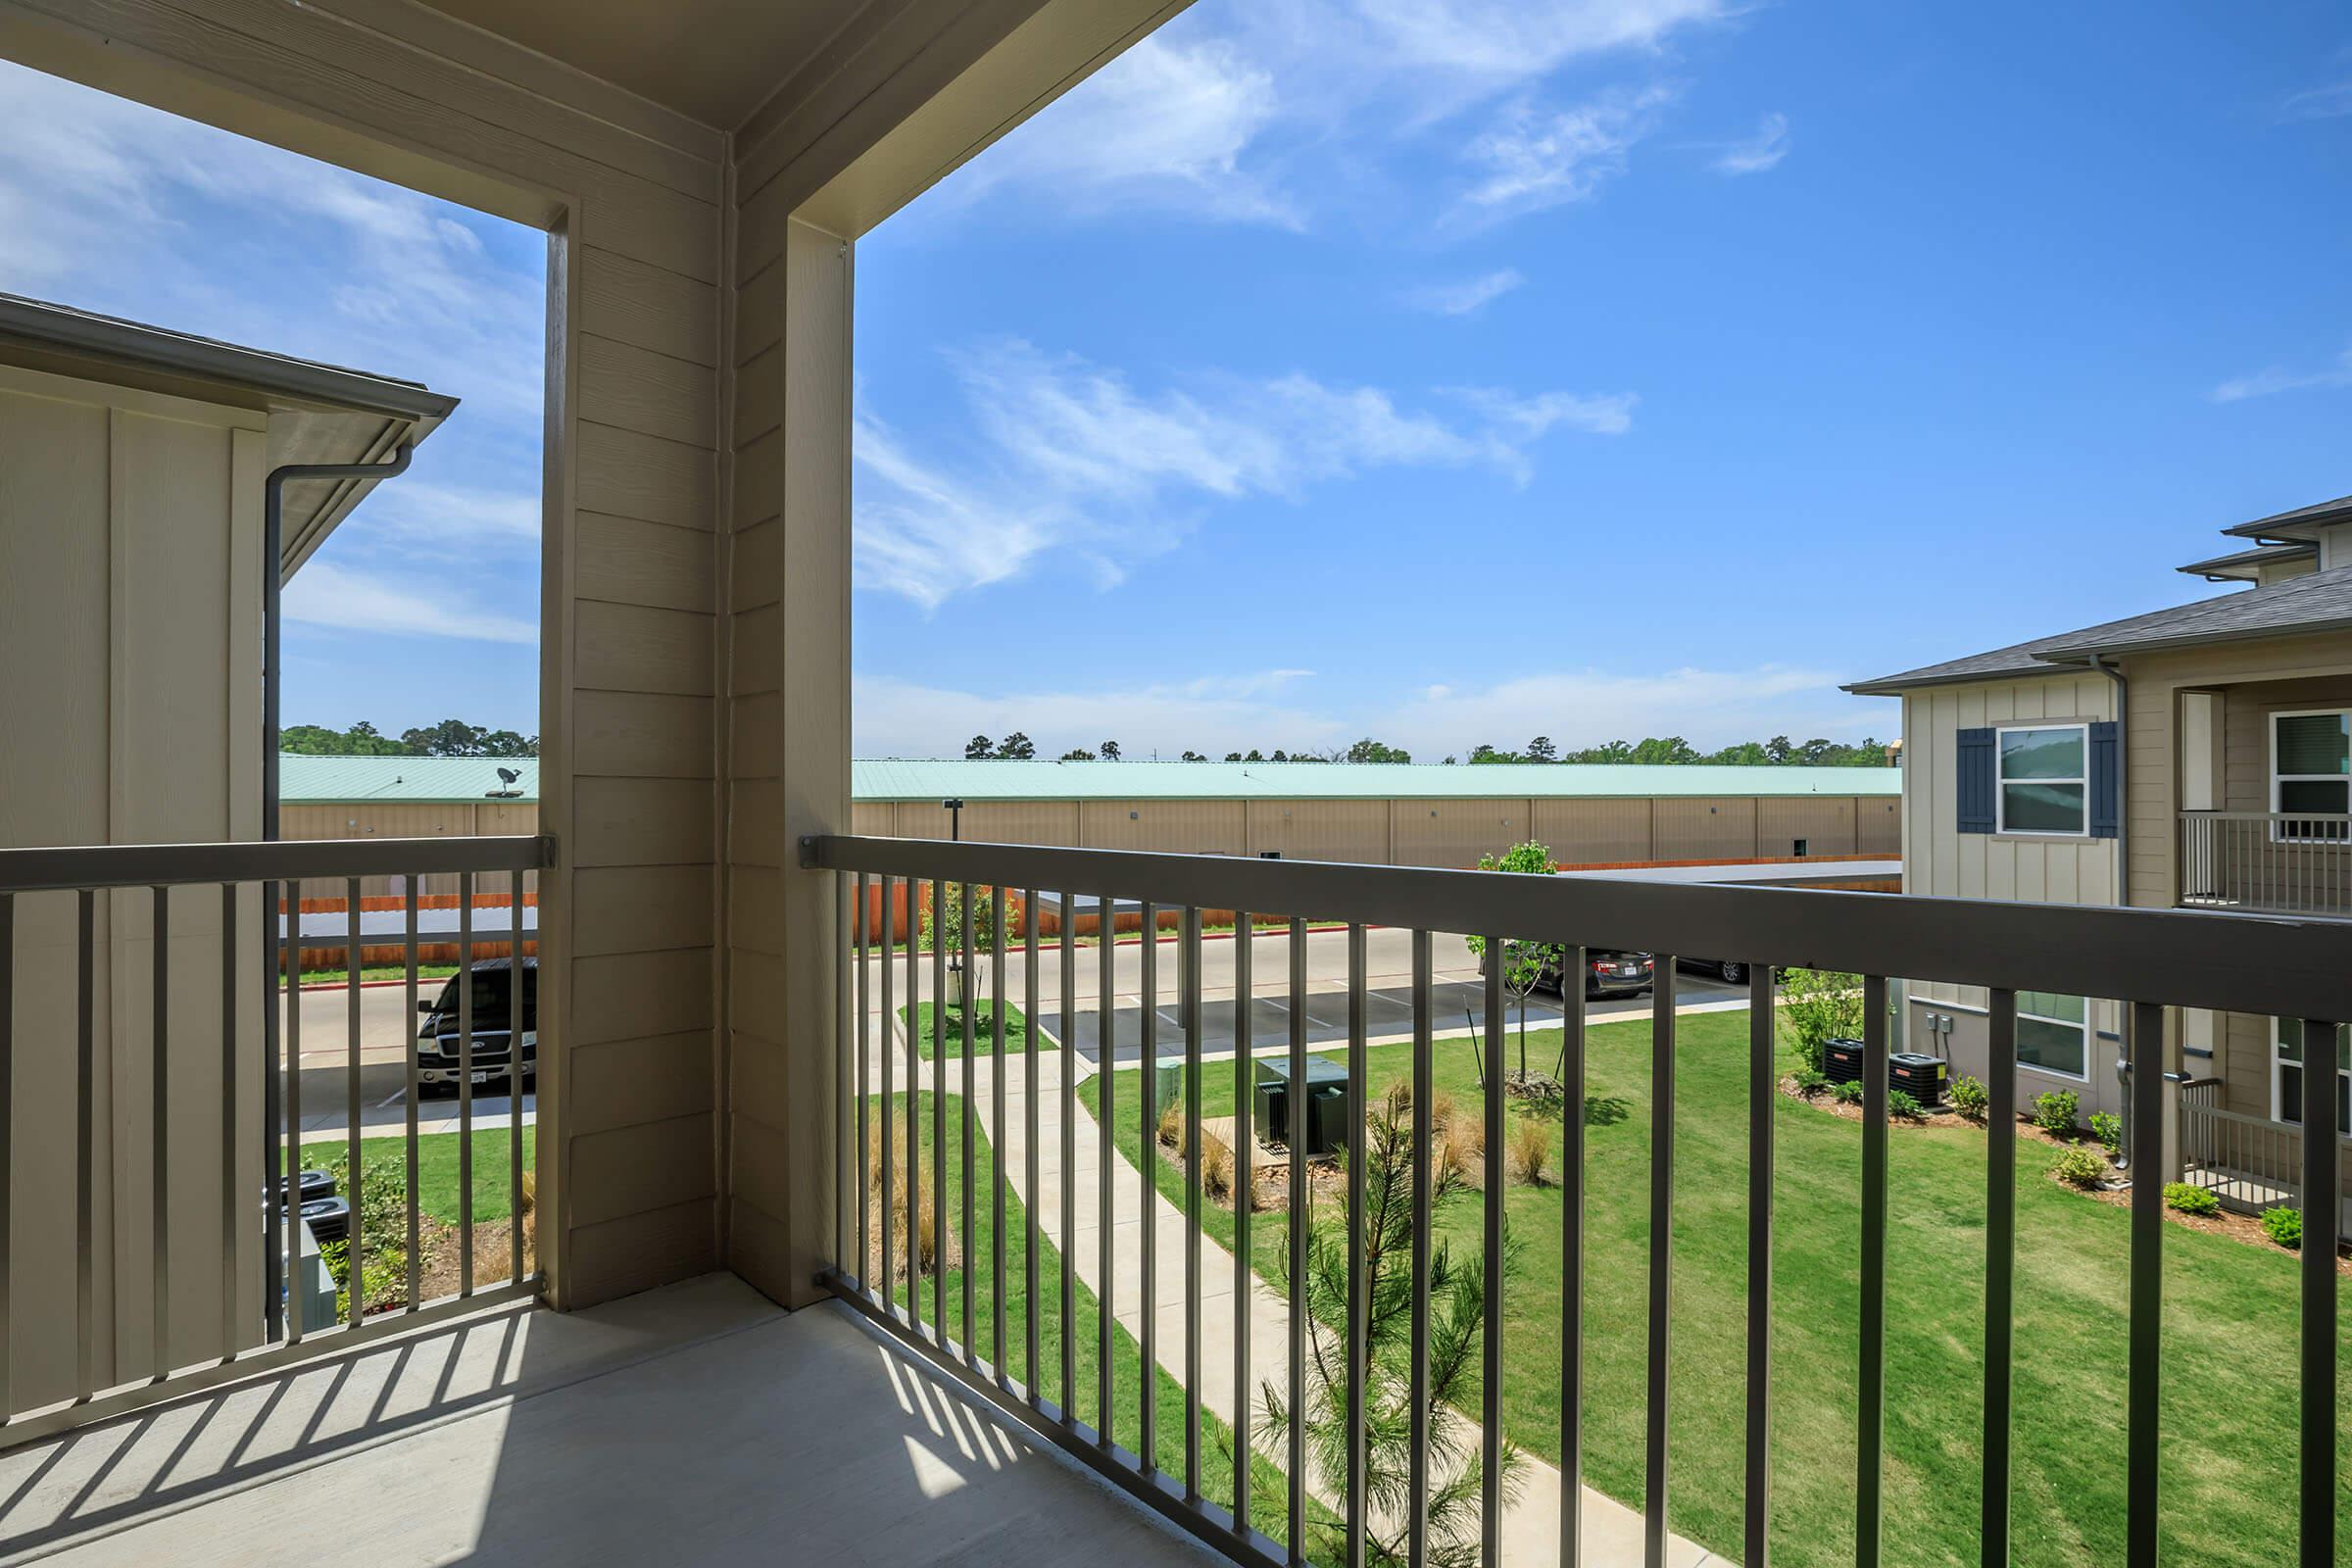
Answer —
(2246, 566)
(2319, 602)
(2300, 524)
(896, 779)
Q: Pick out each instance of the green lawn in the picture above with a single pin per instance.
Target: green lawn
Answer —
(1268, 1488)
(437, 1168)
(1016, 1028)
(2230, 1402)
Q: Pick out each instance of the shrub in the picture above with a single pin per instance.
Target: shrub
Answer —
(1818, 1004)
(1969, 1098)
(1847, 1094)
(1171, 1123)
(2108, 1128)
(1810, 1083)
(2079, 1167)
(1902, 1106)
(1531, 1150)
(1443, 1113)
(2191, 1200)
(1216, 1168)
(2284, 1226)
(2054, 1111)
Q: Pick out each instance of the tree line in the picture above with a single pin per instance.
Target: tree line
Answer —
(452, 737)
(1667, 750)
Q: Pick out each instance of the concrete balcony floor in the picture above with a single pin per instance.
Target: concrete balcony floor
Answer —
(688, 1425)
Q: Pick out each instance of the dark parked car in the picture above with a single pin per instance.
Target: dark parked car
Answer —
(493, 1026)
(1608, 972)
(1731, 971)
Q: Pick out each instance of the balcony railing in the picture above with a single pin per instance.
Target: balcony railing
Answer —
(2249, 1162)
(152, 975)
(2150, 958)
(2274, 862)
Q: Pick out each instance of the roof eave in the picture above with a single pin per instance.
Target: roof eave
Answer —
(2083, 653)
(1896, 685)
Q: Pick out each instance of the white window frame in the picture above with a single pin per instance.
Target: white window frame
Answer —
(2000, 784)
(2085, 1028)
(2279, 833)
(2278, 1066)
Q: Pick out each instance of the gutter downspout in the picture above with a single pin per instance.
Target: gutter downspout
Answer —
(279, 1160)
(2129, 1149)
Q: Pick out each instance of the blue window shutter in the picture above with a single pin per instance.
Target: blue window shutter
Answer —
(2106, 774)
(1974, 755)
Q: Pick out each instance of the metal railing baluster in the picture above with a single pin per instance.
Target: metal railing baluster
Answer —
(997, 1154)
(466, 1082)
(1871, 1444)
(518, 991)
(1295, 1103)
(275, 952)
(2321, 1209)
(1424, 1087)
(414, 1089)
(968, 1129)
(1572, 1256)
(289, 1149)
(1245, 1199)
(230, 1208)
(354, 1242)
(159, 1111)
(1067, 904)
(939, 1113)
(2000, 1271)
(1031, 1373)
(1187, 987)
(1489, 1475)
(1661, 1253)
(844, 1059)
(1106, 1059)
(887, 1132)
(862, 956)
(1356, 1503)
(1763, 1101)
(8, 1102)
(2142, 1420)
(1146, 1090)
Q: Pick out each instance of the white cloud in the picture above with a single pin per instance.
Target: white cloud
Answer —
(1265, 710)
(2279, 378)
(1071, 456)
(1709, 709)
(2331, 102)
(444, 519)
(342, 599)
(1214, 715)
(1469, 296)
(1535, 157)
(1758, 153)
(1293, 106)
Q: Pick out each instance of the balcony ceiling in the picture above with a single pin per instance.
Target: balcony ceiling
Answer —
(710, 60)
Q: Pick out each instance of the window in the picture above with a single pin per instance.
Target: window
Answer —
(2053, 1033)
(2287, 1072)
(2045, 779)
(2311, 772)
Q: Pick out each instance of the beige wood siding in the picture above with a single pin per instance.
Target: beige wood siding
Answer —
(1585, 831)
(1703, 828)
(130, 553)
(990, 821)
(1178, 827)
(1455, 833)
(1942, 861)
(633, 423)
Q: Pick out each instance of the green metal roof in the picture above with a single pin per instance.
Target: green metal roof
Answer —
(891, 779)
(435, 780)
(408, 780)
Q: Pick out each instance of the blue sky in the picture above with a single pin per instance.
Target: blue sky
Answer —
(1447, 372)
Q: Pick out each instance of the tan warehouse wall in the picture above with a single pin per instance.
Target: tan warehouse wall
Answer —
(1451, 832)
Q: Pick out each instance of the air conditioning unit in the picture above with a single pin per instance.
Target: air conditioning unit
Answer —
(1841, 1061)
(1921, 1077)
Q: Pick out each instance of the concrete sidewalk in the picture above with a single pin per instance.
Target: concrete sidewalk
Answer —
(1611, 1532)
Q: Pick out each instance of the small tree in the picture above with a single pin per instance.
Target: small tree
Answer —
(979, 748)
(1456, 1329)
(1541, 750)
(1110, 750)
(1016, 748)
(1523, 963)
(1819, 1005)
(1077, 754)
(946, 926)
